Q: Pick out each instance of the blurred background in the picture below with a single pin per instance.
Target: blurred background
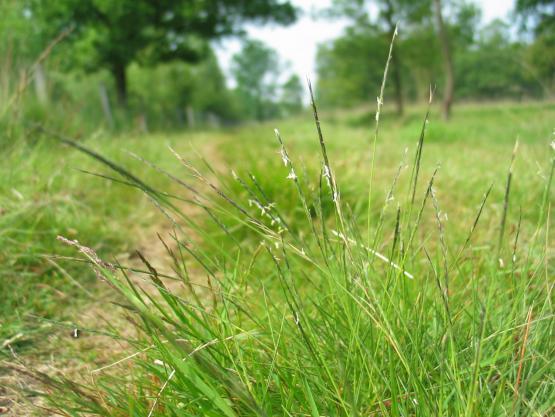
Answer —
(212, 79)
(80, 66)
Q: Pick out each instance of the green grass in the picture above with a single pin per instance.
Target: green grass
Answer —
(287, 310)
(45, 192)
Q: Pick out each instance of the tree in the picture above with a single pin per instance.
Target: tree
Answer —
(350, 68)
(540, 12)
(210, 93)
(112, 34)
(541, 58)
(540, 15)
(494, 67)
(175, 92)
(447, 61)
(256, 71)
(391, 13)
(20, 40)
(292, 93)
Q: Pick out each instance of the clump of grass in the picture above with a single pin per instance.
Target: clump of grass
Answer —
(291, 315)
(313, 320)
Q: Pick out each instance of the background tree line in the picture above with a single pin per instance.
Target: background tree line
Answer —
(140, 63)
(150, 64)
(441, 44)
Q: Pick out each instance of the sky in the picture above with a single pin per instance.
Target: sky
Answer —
(297, 44)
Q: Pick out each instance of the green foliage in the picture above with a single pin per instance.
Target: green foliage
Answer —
(292, 94)
(539, 13)
(495, 68)
(540, 16)
(464, 24)
(488, 64)
(541, 59)
(349, 67)
(196, 95)
(404, 12)
(199, 88)
(391, 15)
(124, 52)
(210, 93)
(112, 35)
(256, 70)
(18, 34)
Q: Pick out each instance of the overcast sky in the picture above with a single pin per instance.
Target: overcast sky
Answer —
(297, 44)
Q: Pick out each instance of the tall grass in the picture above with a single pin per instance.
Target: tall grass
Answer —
(44, 193)
(296, 312)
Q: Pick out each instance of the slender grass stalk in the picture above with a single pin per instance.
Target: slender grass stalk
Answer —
(506, 201)
(419, 148)
(380, 101)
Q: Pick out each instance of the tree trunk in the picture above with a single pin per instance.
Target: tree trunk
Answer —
(191, 119)
(105, 102)
(447, 62)
(120, 77)
(41, 88)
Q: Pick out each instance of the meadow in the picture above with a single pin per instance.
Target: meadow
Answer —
(404, 268)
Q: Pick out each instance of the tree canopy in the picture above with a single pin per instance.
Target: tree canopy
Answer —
(488, 61)
(391, 13)
(112, 34)
(541, 12)
(539, 15)
(257, 70)
(130, 49)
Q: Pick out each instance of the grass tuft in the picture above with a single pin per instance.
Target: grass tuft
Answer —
(285, 314)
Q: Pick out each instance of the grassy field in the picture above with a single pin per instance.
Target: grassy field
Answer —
(360, 276)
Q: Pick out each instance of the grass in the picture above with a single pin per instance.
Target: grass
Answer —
(284, 304)
(47, 190)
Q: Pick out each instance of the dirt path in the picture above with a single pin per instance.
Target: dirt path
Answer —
(84, 345)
